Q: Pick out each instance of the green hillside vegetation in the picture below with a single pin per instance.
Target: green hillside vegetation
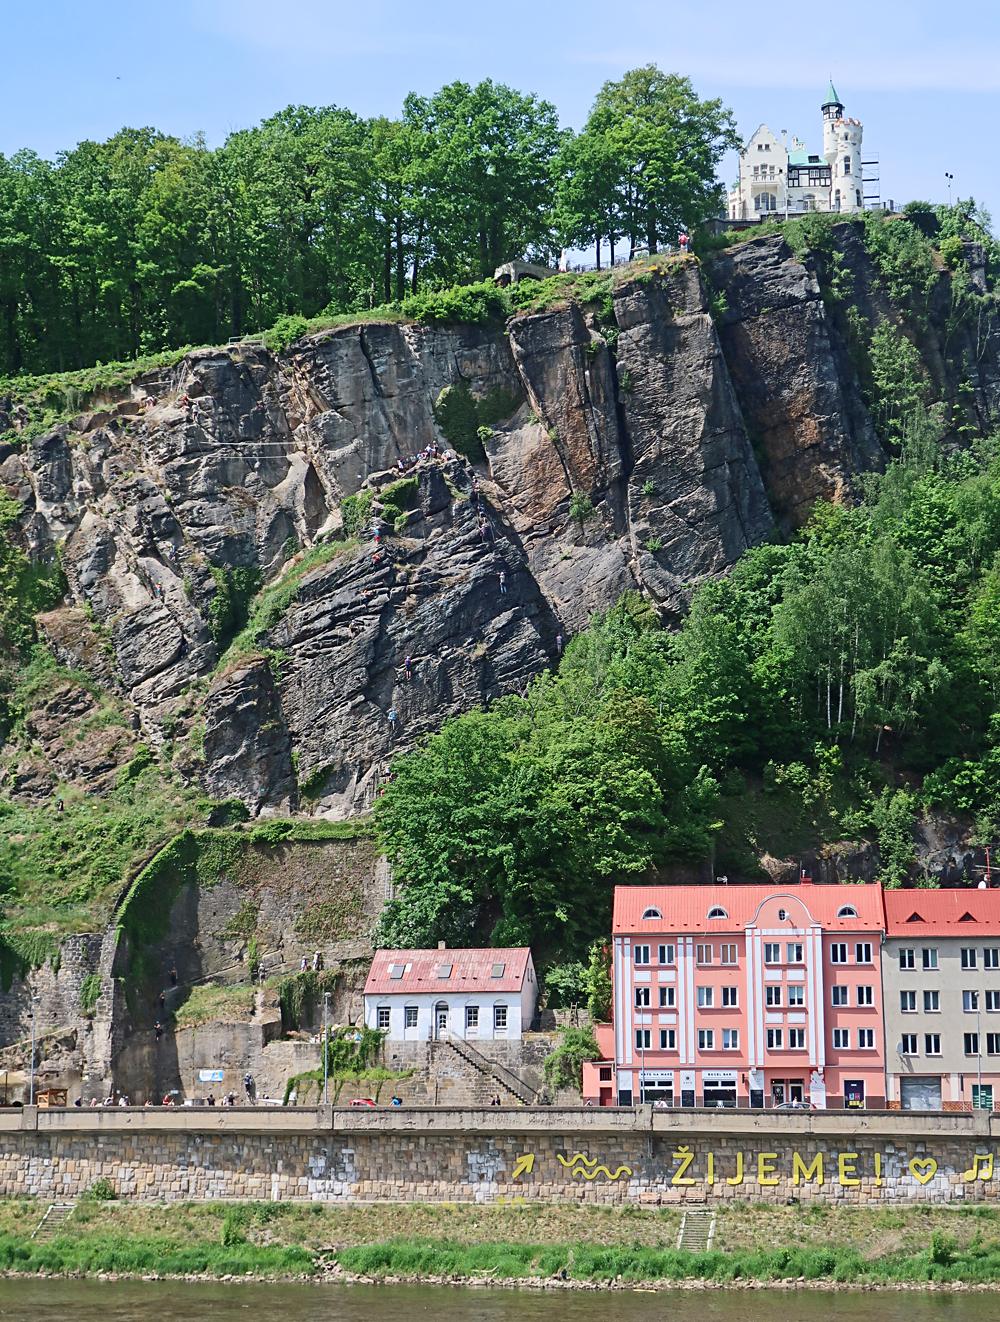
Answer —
(850, 678)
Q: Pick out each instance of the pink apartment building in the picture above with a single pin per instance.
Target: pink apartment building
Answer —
(744, 996)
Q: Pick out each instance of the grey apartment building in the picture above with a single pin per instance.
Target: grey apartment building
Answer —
(941, 996)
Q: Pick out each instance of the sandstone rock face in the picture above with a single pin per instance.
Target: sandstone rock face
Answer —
(645, 451)
(797, 391)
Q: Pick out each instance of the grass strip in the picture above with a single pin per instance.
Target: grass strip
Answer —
(941, 1262)
(90, 1254)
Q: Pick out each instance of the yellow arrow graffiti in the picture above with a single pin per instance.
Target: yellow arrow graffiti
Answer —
(523, 1166)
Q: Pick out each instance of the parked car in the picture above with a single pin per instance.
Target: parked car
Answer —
(363, 1101)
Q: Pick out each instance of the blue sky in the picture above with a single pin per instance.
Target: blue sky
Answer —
(924, 78)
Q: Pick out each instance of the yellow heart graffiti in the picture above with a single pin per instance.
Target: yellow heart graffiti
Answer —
(923, 1169)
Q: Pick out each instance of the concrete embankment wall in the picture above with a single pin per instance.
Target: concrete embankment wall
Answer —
(638, 1156)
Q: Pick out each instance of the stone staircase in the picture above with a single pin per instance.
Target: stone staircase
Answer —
(52, 1223)
(488, 1076)
(697, 1230)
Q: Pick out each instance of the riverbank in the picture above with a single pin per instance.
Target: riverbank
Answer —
(530, 1245)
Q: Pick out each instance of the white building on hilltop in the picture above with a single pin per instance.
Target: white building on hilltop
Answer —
(783, 178)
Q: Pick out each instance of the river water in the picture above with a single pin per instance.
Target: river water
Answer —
(96, 1301)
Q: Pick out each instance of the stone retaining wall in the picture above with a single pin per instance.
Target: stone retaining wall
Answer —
(635, 1156)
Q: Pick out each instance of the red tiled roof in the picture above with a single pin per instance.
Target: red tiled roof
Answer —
(468, 970)
(942, 913)
(686, 908)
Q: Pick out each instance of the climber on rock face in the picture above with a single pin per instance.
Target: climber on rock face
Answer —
(393, 717)
(408, 667)
(503, 583)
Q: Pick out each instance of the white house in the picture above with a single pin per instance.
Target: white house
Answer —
(416, 995)
(778, 177)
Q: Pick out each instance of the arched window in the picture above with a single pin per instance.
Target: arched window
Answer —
(847, 165)
(836, 200)
(857, 194)
(782, 915)
(766, 202)
(652, 913)
(847, 911)
(717, 912)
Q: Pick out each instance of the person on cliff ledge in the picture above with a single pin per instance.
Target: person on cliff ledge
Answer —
(393, 719)
(408, 667)
(157, 1030)
(503, 583)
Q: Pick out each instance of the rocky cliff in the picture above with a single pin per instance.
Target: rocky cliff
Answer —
(646, 446)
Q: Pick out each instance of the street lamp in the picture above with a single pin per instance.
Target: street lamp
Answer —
(31, 1075)
(950, 178)
(979, 1050)
(326, 1054)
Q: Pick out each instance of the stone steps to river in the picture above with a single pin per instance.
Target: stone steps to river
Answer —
(697, 1230)
(56, 1215)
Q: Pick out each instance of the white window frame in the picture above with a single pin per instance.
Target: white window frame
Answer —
(862, 952)
(643, 1037)
(642, 994)
(772, 952)
(865, 995)
(908, 1044)
(640, 955)
(703, 954)
(775, 1039)
(729, 954)
(667, 954)
(668, 998)
(411, 1016)
(970, 1002)
(730, 998)
(796, 995)
(906, 958)
(841, 1039)
(730, 1039)
(970, 1044)
(383, 1018)
(866, 1039)
(668, 1039)
(991, 957)
(932, 1001)
(706, 1039)
(908, 1002)
(932, 1044)
(706, 998)
(795, 953)
(838, 952)
(501, 1018)
(929, 958)
(772, 996)
(968, 957)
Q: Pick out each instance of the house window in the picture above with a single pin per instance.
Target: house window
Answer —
(717, 911)
(971, 1043)
(731, 1039)
(906, 958)
(932, 1002)
(471, 1018)
(991, 957)
(706, 1039)
(772, 996)
(382, 1017)
(666, 954)
(730, 997)
(650, 914)
(706, 998)
(727, 954)
(908, 1002)
(970, 1002)
(908, 1044)
(838, 953)
(410, 1016)
(857, 194)
(775, 1039)
(847, 911)
(932, 1044)
(772, 952)
(928, 957)
(640, 954)
(500, 1018)
(796, 1039)
(993, 1001)
(866, 996)
(668, 1039)
(642, 1039)
(642, 998)
(795, 952)
(838, 995)
(968, 957)
(863, 952)
(866, 1038)
(993, 1044)
(796, 996)
(703, 954)
(847, 165)
(605, 1073)
(668, 998)
(841, 1038)
(982, 1096)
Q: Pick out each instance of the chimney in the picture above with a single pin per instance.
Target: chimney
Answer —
(441, 945)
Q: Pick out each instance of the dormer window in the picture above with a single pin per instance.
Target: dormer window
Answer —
(651, 913)
(717, 912)
(847, 911)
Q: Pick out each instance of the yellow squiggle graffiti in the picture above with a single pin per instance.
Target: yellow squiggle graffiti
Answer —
(577, 1157)
(603, 1170)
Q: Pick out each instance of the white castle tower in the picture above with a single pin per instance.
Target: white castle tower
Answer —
(781, 177)
(842, 152)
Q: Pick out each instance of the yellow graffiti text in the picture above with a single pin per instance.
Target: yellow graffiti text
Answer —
(685, 1156)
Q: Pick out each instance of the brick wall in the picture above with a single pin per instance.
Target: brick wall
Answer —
(553, 1154)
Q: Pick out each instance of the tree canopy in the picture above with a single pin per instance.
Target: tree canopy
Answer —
(145, 242)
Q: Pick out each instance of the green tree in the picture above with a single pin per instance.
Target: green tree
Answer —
(563, 1068)
(667, 144)
(488, 175)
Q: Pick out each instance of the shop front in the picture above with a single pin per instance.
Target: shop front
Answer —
(718, 1088)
